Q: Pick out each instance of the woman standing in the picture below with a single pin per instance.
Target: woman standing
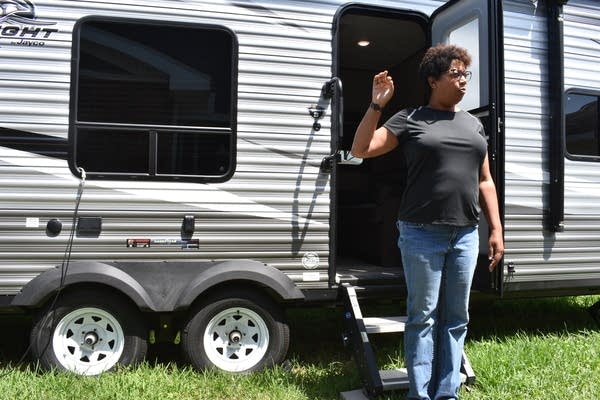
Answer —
(448, 179)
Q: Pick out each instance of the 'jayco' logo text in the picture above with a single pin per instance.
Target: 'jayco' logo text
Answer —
(19, 23)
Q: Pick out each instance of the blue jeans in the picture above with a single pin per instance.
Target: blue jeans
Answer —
(439, 262)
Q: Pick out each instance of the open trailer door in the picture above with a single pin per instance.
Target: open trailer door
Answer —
(477, 26)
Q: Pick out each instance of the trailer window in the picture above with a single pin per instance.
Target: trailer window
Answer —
(582, 137)
(154, 100)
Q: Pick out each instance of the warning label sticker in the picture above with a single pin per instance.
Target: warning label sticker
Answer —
(146, 243)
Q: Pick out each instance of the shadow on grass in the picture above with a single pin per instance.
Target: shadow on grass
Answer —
(317, 333)
(505, 318)
(319, 363)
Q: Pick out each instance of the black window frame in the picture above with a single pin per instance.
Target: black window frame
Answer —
(152, 130)
(581, 92)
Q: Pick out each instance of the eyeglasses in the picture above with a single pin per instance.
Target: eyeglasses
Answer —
(454, 74)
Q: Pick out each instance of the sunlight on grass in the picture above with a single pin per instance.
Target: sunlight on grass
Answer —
(541, 349)
(558, 366)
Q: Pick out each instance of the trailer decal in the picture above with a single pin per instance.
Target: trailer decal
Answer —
(262, 10)
(19, 24)
(194, 195)
(44, 145)
(20, 12)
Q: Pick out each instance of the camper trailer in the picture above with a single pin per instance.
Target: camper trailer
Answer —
(181, 168)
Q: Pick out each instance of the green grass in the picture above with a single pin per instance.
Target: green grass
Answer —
(545, 349)
(526, 349)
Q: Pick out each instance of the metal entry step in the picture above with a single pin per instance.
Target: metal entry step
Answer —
(393, 379)
(384, 324)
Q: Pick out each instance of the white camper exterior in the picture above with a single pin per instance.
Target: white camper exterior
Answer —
(179, 166)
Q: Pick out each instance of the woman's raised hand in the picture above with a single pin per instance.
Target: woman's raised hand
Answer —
(383, 88)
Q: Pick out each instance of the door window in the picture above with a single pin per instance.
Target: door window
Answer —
(464, 24)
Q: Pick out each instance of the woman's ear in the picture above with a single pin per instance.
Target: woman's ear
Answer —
(432, 82)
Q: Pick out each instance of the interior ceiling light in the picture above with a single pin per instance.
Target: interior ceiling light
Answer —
(363, 43)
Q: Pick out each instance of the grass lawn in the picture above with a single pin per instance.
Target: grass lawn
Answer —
(527, 349)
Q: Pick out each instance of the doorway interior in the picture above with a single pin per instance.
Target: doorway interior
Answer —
(368, 191)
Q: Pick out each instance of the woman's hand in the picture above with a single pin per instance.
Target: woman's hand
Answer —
(495, 249)
(383, 88)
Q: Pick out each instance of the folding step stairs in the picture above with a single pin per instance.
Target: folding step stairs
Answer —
(358, 328)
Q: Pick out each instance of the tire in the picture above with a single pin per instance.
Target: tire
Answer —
(237, 331)
(89, 332)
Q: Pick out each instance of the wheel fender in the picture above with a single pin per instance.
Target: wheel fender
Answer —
(240, 270)
(44, 285)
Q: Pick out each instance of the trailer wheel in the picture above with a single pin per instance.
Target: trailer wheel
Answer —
(237, 331)
(89, 332)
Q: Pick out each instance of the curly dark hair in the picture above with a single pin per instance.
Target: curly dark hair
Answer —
(437, 60)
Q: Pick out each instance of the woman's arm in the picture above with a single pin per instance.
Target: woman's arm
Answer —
(369, 141)
(489, 204)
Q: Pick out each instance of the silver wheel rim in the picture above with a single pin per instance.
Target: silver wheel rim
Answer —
(88, 341)
(236, 339)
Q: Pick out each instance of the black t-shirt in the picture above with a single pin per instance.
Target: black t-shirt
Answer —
(444, 152)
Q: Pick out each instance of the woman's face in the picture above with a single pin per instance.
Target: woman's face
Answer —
(451, 86)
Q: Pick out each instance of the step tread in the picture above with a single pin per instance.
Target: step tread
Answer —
(358, 394)
(384, 324)
(393, 379)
